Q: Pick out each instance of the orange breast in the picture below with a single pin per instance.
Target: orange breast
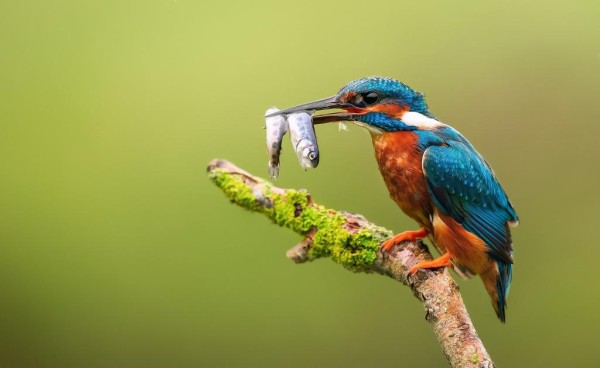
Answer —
(400, 164)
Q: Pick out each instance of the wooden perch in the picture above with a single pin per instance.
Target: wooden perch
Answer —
(354, 242)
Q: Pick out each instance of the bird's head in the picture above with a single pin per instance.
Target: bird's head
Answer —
(379, 104)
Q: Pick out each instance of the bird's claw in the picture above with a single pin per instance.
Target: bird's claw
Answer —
(402, 237)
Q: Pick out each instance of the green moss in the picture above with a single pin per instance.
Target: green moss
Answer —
(235, 189)
(475, 359)
(292, 209)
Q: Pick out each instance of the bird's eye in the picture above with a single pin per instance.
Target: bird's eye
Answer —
(370, 98)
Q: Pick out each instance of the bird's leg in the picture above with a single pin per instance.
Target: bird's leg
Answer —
(404, 236)
(442, 261)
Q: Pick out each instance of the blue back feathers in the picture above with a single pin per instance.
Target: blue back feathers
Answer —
(503, 286)
(462, 185)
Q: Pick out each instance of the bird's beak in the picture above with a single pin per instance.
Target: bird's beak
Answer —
(323, 104)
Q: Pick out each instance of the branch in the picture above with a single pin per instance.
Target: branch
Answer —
(354, 242)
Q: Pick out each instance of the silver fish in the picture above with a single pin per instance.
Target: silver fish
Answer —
(304, 139)
(276, 127)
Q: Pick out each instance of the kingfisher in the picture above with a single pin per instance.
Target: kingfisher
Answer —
(436, 177)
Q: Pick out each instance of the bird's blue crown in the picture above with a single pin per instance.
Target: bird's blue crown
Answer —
(389, 89)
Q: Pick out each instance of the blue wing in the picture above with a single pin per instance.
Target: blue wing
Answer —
(463, 186)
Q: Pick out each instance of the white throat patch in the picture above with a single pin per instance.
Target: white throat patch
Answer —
(420, 121)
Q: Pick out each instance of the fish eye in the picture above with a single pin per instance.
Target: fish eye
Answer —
(370, 98)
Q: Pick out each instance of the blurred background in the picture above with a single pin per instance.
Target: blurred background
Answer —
(116, 251)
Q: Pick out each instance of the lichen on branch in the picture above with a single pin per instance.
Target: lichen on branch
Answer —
(354, 242)
(333, 234)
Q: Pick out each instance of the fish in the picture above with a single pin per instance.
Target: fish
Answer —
(303, 138)
(276, 127)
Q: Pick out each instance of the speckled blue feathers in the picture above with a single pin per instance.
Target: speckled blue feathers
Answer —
(390, 89)
(462, 185)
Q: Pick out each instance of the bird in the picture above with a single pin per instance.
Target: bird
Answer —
(436, 177)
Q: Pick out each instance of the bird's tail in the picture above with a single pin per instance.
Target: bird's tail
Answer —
(497, 280)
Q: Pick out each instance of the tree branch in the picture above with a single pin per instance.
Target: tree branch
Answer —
(354, 242)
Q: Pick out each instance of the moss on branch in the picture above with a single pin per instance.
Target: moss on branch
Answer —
(332, 234)
(353, 242)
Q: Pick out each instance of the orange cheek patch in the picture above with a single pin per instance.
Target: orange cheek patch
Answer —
(391, 110)
(356, 110)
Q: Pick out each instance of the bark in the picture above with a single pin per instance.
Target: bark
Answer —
(353, 242)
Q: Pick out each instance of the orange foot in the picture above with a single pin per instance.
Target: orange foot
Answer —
(404, 236)
(443, 261)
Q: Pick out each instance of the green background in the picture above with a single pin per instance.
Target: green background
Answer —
(116, 251)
